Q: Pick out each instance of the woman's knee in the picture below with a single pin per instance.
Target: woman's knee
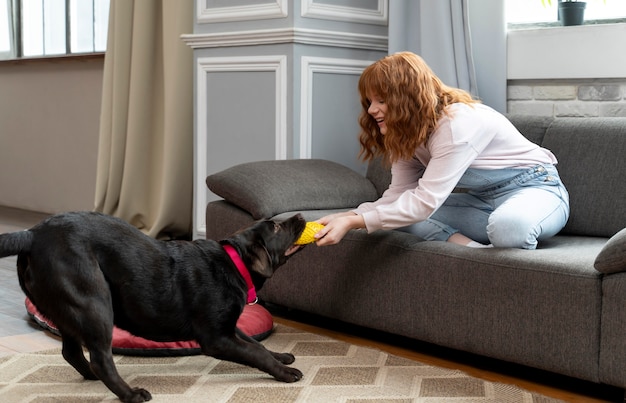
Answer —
(522, 228)
(512, 231)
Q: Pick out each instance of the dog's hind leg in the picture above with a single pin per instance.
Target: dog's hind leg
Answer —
(103, 366)
(94, 323)
(98, 336)
(73, 354)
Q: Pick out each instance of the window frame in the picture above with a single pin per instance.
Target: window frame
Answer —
(16, 50)
(599, 18)
(10, 53)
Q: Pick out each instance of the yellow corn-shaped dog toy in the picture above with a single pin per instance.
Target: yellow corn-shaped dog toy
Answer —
(310, 230)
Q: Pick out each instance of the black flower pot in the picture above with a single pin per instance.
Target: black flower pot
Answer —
(572, 12)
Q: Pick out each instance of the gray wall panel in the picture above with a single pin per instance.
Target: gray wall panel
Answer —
(335, 127)
(240, 118)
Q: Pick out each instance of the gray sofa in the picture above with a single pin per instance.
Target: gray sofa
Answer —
(561, 307)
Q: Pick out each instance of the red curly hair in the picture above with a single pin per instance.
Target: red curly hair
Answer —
(416, 99)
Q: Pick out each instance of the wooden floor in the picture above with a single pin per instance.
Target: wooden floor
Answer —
(18, 334)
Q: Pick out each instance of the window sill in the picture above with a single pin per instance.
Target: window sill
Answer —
(584, 51)
(54, 58)
(557, 24)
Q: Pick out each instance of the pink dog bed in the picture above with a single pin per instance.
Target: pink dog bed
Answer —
(255, 321)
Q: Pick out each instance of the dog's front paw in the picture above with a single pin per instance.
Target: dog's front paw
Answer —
(290, 375)
(285, 358)
(138, 395)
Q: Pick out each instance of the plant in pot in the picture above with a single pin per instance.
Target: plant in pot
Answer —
(571, 12)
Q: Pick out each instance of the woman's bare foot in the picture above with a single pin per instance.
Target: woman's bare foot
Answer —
(461, 239)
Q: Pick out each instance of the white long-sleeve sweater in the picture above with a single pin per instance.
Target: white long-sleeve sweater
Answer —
(471, 136)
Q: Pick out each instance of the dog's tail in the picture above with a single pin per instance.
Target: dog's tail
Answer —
(15, 242)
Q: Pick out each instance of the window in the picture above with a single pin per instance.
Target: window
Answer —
(538, 11)
(5, 31)
(32, 28)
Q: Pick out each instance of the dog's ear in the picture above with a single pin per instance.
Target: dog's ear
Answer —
(261, 262)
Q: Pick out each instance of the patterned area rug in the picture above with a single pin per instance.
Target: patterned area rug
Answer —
(334, 371)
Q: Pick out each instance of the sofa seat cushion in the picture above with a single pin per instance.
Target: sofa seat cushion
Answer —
(572, 255)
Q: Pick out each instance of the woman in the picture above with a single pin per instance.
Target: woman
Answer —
(438, 139)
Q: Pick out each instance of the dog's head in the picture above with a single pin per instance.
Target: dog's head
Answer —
(268, 244)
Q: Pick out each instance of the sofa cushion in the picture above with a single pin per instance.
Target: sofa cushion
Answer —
(612, 257)
(267, 188)
(379, 174)
(532, 127)
(591, 159)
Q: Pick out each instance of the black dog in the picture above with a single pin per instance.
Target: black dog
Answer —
(88, 271)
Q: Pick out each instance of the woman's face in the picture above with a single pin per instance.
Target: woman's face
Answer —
(377, 110)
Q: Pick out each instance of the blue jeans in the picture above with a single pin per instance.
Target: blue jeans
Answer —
(509, 208)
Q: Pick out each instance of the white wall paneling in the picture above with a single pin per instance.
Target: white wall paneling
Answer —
(326, 11)
(277, 79)
(207, 131)
(289, 35)
(312, 66)
(272, 9)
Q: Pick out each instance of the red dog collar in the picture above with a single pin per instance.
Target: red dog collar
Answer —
(241, 266)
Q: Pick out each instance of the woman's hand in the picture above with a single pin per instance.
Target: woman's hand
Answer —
(337, 226)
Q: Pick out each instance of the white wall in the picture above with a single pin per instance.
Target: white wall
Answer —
(49, 122)
(576, 52)
(567, 71)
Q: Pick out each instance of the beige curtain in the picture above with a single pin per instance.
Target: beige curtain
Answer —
(145, 155)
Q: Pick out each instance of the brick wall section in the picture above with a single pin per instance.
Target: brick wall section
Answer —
(561, 98)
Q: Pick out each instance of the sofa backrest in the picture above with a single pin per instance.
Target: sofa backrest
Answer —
(592, 164)
(532, 127)
(379, 174)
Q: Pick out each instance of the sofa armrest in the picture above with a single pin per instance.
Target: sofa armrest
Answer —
(267, 188)
(612, 257)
